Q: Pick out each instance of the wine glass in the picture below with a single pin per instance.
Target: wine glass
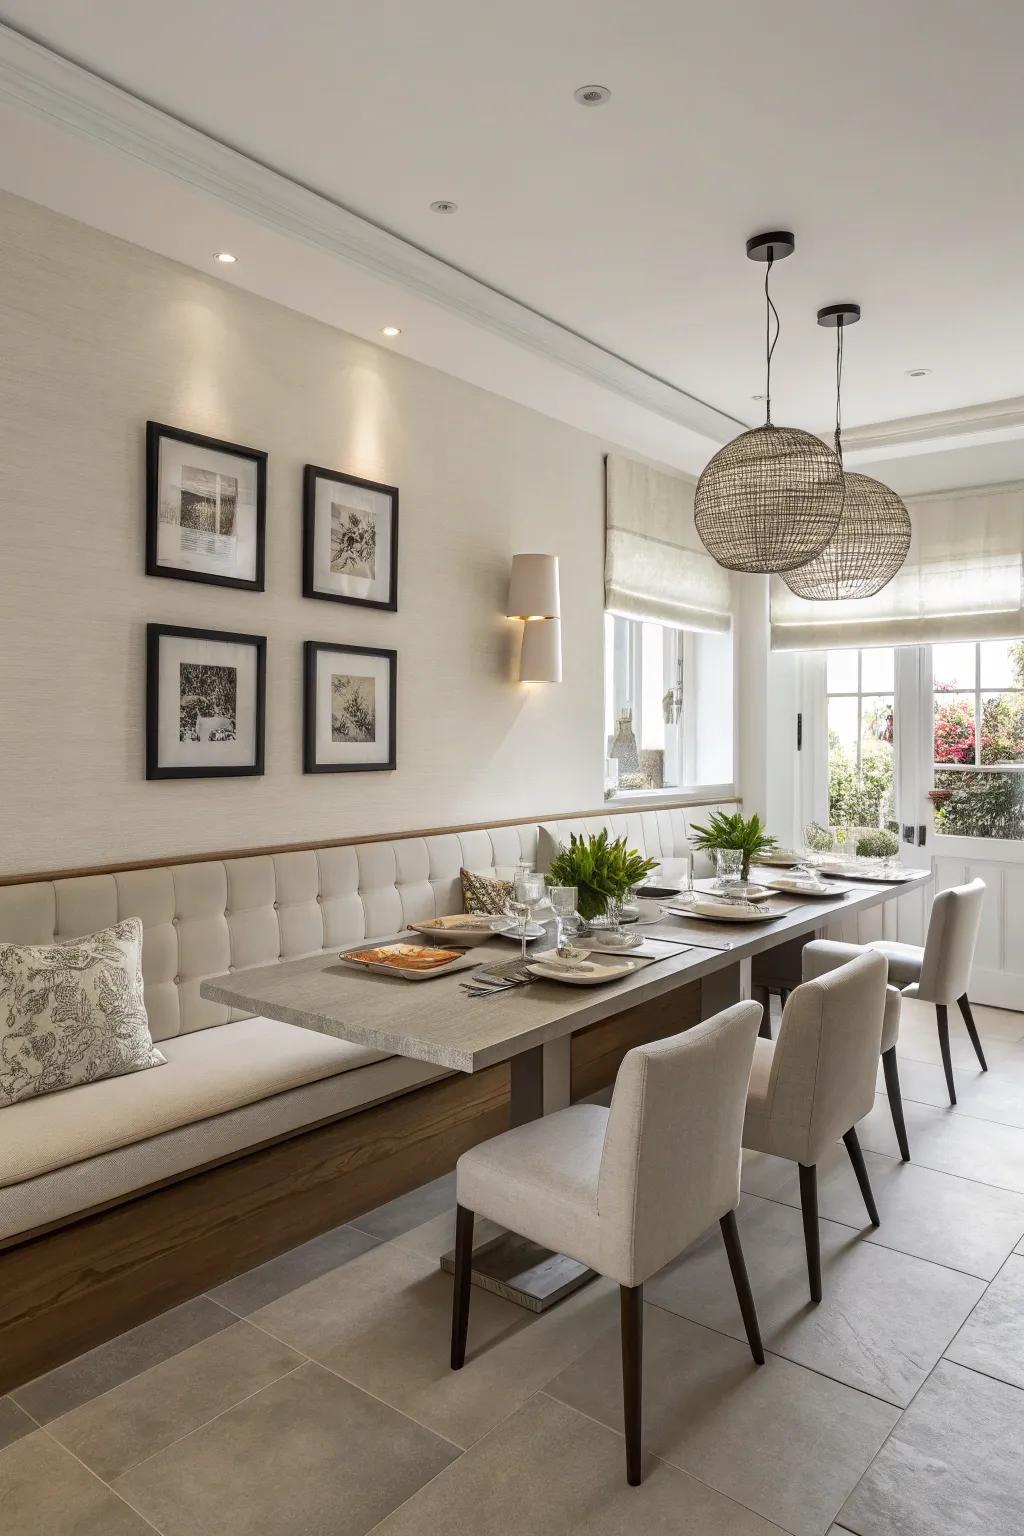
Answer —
(520, 910)
(563, 901)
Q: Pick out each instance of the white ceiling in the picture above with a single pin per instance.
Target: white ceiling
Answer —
(886, 135)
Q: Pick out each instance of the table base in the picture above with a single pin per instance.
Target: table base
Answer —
(522, 1272)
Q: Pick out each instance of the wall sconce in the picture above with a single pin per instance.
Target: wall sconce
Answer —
(533, 597)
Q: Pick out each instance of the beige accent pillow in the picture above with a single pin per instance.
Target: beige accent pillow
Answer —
(74, 1012)
(481, 893)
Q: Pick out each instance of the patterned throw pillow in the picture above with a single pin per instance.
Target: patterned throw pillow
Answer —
(72, 1013)
(480, 893)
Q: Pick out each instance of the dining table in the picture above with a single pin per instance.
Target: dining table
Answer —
(448, 1022)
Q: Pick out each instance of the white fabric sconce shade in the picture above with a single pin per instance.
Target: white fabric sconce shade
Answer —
(541, 658)
(533, 590)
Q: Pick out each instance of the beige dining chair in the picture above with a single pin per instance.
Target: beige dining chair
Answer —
(939, 972)
(624, 1190)
(822, 955)
(817, 1079)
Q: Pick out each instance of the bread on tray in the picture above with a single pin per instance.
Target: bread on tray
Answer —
(404, 957)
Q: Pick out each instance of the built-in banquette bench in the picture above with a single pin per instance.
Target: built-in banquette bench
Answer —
(122, 1196)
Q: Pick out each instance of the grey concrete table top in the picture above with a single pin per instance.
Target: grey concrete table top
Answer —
(435, 1021)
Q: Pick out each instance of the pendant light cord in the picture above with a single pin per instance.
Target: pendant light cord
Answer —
(769, 339)
(839, 388)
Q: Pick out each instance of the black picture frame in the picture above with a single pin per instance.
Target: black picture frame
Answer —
(155, 633)
(311, 475)
(156, 432)
(312, 650)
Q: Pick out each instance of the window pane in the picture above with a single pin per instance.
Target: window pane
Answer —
(872, 807)
(652, 687)
(1002, 664)
(952, 667)
(980, 804)
(842, 725)
(878, 670)
(954, 726)
(841, 672)
(1002, 728)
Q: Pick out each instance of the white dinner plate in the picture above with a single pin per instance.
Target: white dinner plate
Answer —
(781, 858)
(463, 928)
(824, 892)
(514, 932)
(721, 912)
(599, 970)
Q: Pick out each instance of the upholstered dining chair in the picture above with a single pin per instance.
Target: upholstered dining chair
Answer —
(624, 1190)
(822, 955)
(816, 1080)
(940, 971)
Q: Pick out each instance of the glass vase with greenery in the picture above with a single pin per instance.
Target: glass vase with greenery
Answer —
(747, 833)
(602, 870)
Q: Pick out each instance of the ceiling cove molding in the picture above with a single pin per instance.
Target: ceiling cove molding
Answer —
(972, 425)
(35, 78)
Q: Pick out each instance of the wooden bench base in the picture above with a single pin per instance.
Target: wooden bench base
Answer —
(66, 1290)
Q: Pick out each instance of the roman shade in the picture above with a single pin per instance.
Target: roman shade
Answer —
(655, 565)
(963, 580)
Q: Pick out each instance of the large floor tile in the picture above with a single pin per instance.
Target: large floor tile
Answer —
(784, 1441)
(128, 1355)
(437, 1236)
(951, 1466)
(410, 1210)
(952, 1143)
(550, 1471)
(286, 1273)
(884, 1321)
(935, 1216)
(309, 1454)
(14, 1422)
(992, 1339)
(44, 1491)
(762, 1174)
(139, 1418)
(383, 1322)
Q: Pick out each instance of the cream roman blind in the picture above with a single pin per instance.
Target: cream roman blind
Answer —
(963, 580)
(655, 565)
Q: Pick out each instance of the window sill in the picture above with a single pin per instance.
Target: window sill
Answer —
(652, 799)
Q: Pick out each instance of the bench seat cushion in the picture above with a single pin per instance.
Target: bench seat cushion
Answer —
(91, 1178)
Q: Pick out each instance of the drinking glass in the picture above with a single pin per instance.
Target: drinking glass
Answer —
(728, 867)
(563, 901)
(520, 910)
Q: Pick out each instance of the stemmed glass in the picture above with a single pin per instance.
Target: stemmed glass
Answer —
(527, 891)
(520, 910)
(563, 901)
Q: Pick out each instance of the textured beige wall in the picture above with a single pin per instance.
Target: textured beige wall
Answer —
(97, 336)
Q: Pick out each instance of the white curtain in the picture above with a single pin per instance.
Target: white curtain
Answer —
(963, 580)
(655, 565)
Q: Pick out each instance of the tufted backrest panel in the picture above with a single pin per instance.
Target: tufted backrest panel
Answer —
(200, 920)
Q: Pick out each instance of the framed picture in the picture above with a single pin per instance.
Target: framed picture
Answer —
(206, 693)
(350, 708)
(349, 539)
(206, 509)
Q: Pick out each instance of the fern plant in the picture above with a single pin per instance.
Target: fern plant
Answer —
(602, 870)
(747, 833)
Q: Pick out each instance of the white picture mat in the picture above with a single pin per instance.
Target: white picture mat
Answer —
(378, 505)
(353, 664)
(220, 555)
(173, 753)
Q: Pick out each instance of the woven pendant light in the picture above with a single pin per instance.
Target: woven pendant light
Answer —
(772, 498)
(873, 537)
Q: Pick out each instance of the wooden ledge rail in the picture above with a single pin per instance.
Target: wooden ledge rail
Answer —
(34, 877)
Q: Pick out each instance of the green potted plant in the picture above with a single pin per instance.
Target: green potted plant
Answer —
(602, 871)
(734, 831)
(878, 845)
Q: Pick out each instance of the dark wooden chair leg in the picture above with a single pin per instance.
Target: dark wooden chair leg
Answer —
(965, 1009)
(463, 1284)
(631, 1312)
(784, 995)
(852, 1146)
(763, 996)
(741, 1280)
(892, 1087)
(942, 1019)
(812, 1237)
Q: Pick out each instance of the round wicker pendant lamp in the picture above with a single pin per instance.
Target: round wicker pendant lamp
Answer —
(873, 537)
(772, 498)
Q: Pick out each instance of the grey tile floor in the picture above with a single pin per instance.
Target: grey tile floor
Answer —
(312, 1396)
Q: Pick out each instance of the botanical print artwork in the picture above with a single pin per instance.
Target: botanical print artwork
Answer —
(72, 1013)
(353, 542)
(353, 708)
(207, 702)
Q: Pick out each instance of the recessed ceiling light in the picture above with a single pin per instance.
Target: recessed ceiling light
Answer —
(918, 373)
(391, 330)
(592, 95)
(226, 257)
(444, 206)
